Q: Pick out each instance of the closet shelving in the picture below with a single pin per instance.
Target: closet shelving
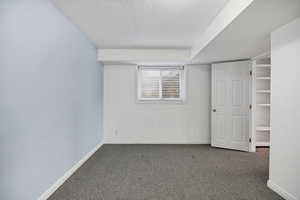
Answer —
(263, 78)
(263, 65)
(263, 128)
(263, 91)
(263, 104)
(261, 98)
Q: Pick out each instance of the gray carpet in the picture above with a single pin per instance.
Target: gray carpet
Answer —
(169, 172)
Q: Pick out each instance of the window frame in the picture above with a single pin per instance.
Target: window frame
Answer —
(182, 83)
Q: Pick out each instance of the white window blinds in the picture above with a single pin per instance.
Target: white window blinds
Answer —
(160, 83)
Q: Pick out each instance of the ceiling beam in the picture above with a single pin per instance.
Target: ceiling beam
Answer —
(144, 56)
(227, 15)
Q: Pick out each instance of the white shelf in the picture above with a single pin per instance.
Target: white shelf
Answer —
(263, 78)
(262, 144)
(261, 97)
(262, 65)
(263, 105)
(263, 91)
(263, 128)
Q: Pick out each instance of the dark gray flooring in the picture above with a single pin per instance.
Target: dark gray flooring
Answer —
(169, 172)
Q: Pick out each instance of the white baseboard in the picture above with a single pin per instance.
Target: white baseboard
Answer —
(156, 143)
(67, 175)
(279, 190)
(151, 142)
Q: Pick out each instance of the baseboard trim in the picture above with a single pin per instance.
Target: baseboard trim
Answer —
(67, 175)
(126, 142)
(286, 195)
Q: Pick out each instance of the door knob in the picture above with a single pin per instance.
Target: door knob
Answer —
(214, 110)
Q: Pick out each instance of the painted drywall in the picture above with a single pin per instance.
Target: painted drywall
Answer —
(285, 112)
(51, 97)
(127, 121)
(248, 35)
(132, 24)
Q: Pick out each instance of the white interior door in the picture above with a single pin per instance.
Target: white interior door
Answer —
(230, 105)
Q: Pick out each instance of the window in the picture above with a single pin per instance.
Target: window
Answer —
(160, 83)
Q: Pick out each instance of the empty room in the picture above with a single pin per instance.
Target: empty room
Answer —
(149, 99)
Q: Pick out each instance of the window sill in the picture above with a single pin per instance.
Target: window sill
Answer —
(141, 101)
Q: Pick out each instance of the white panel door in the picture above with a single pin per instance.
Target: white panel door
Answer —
(230, 105)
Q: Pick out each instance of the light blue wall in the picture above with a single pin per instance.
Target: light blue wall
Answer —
(50, 97)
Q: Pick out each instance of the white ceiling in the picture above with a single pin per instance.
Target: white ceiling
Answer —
(249, 34)
(141, 23)
(179, 31)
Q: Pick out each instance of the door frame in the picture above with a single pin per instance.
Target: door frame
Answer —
(252, 128)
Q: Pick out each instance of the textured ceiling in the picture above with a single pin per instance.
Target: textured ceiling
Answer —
(250, 33)
(141, 23)
(179, 24)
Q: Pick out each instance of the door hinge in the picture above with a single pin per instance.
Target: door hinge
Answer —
(251, 73)
(250, 140)
(250, 106)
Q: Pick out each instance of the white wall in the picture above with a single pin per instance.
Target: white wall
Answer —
(285, 112)
(50, 97)
(126, 121)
